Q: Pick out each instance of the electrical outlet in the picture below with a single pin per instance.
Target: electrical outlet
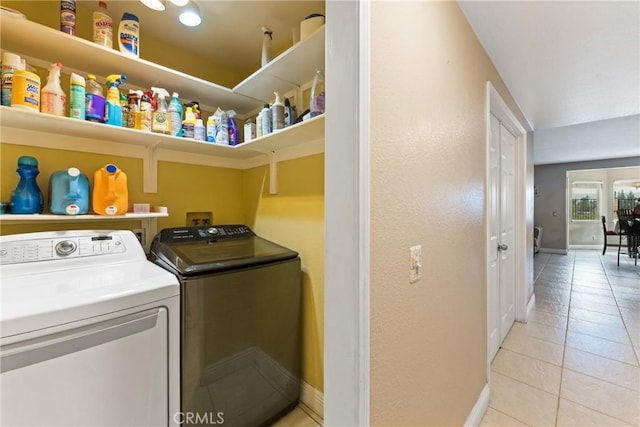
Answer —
(140, 234)
(199, 219)
(415, 263)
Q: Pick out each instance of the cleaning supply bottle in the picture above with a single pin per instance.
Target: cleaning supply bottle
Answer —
(198, 131)
(277, 113)
(317, 95)
(53, 98)
(10, 62)
(211, 129)
(129, 35)
(146, 111)
(27, 197)
(124, 104)
(68, 16)
(222, 127)
(133, 99)
(77, 95)
(94, 100)
(113, 110)
(234, 136)
(288, 113)
(68, 192)
(161, 122)
(102, 26)
(110, 193)
(265, 120)
(189, 123)
(259, 125)
(267, 51)
(175, 115)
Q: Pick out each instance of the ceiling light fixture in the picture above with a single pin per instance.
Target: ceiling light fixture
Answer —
(154, 4)
(179, 3)
(190, 15)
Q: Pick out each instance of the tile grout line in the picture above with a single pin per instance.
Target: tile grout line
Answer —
(624, 323)
(564, 347)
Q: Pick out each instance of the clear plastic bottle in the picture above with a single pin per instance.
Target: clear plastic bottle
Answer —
(317, 95)
(94, 105)
(175, 114)
(102, 26)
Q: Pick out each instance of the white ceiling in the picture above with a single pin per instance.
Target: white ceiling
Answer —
(568, 63)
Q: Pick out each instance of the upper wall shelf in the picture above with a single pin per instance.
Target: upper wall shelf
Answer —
(289, 70)
(292, 68)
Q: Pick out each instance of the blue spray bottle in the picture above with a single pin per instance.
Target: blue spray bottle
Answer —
(113, 109)
(27, 197)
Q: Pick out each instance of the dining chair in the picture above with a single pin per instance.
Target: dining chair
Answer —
(625, 220)
(606, 233)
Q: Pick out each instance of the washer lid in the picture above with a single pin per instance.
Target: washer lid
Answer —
(44, 299)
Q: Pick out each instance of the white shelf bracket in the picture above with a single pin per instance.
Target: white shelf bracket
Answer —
(150, 169)
(273, 174)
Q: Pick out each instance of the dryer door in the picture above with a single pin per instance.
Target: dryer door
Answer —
(109, 373)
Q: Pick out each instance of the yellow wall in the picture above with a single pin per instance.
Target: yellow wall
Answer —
(295, 218)
(428, 339)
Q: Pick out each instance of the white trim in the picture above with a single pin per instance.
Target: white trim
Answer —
(498, 107)
(531, 305)
(554, 251)
(313, 398)
(479, 409)
(346, 350)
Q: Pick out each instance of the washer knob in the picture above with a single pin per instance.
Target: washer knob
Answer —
(66, 247)
(212, 230)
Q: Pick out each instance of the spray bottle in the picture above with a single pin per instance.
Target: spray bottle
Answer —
(133, 100)
(222, 127)
(267, 51)
(146, 111)
(54, 100)
(161, 122)
(113, 110)
(175, 115)
(234, 136)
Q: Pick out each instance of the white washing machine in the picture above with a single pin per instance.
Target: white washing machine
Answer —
(89, 332)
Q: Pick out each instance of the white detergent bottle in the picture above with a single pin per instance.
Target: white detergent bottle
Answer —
(102, 26)
(129, 35)
(53, 98)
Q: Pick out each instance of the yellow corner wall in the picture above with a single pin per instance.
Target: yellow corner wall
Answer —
(428, 156)
(295, 218)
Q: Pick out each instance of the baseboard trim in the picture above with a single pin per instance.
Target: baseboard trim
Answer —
(554, 251)
(479, 409)
(530, 306)
(311, 397)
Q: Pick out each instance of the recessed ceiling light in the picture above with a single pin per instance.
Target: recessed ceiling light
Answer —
(179, 3)
(154, 4)
(190, 15)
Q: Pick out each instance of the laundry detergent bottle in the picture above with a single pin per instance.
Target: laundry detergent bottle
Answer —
(27, 197)
(110, 194)
(69, 192)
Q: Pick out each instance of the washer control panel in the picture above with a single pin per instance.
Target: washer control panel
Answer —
(22, 251)
(198, 234)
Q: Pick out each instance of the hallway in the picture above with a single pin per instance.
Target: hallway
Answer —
(575, 363)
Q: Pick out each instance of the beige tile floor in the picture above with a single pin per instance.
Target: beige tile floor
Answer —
(301, 416)
(575, 363)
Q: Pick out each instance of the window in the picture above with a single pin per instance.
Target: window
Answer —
(585, 201)
(625, 195)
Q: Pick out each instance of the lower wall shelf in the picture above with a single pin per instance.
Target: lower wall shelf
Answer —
(46, 218)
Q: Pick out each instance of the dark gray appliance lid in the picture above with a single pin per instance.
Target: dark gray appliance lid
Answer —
(201, 250)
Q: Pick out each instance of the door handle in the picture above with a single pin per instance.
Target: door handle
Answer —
(503, 247)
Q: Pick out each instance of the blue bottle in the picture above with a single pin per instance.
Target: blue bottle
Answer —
(69, 192)
(27, 197)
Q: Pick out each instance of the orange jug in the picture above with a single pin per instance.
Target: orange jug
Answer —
(110, 195)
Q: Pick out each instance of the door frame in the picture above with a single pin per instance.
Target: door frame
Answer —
(499, 108)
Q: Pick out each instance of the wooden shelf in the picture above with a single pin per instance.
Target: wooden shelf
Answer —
(287, 71)
(32, 40)
(46, 218)
(18, 124)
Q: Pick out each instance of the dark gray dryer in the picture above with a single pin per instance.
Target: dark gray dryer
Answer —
(240, 323)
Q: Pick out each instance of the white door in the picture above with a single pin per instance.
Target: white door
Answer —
(501, 262)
